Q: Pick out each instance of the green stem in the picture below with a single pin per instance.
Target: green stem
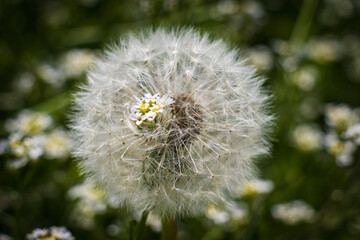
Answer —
(169, 229)
(141, 227)
(54, 104)
(303, 22)
(132, 229)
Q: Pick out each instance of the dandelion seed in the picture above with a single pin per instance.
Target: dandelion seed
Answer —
(175, 123)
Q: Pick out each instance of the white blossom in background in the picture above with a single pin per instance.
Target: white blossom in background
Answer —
(50, 74)
(29, 122)
(293, 212)
(31, 138)
(75, 62)
(324, 50)
(52, 233)
(90, 202)
(342, 150)
(24, 83)
(217, 215)
(57, 144)
(34, 146)
(353, 133)
(341, 116)
(305, 77)
(203, 142)
(239, 212)
(235, 212)
(154, 222)
(343, 133)
(307, 137)
(261, 57)
(24, 149)
(290, 55)
(258, 186)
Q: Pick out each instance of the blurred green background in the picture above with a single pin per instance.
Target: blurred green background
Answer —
(309, 51)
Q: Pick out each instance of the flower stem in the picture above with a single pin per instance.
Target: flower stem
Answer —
(54, 104)
(304, 21)
(169, 229)
(141, 227)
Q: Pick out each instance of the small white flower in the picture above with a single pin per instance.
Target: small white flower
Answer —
(239, 212)
(29, 123)
(51, 75)
(354, 133)
(61, 233)
(151, 98)
(148, 107)
(135, 115)
(75, 62)
(34, 146)
(307, 137)
(235, 212)
(154, 222)
(345, 157)
(305, 78)
(258, 186)
(293, 212)
(333, 144)
(340, 116)
(58, 233)
(218, 216)
(25, 82)
(16, 145)
(56, 144)
(26, 147)
(261, 57)
(90, 203)
(324, 50)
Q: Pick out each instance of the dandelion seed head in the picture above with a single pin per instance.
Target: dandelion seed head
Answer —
(170, 121)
